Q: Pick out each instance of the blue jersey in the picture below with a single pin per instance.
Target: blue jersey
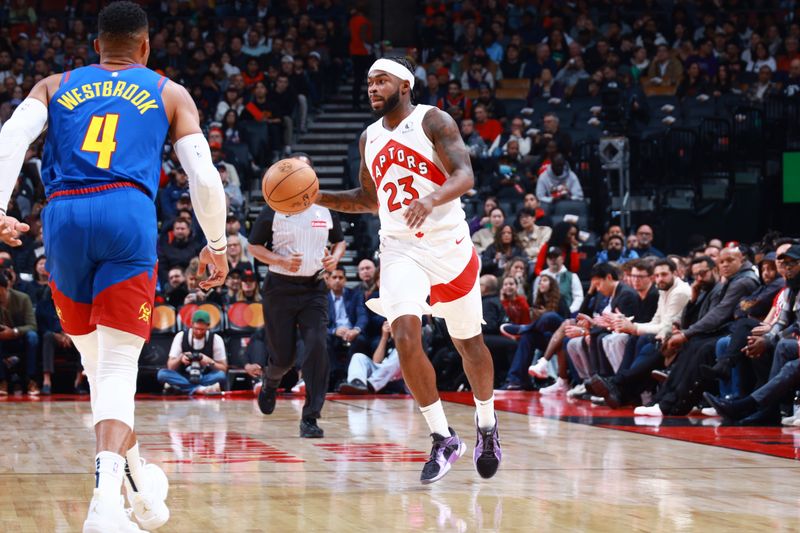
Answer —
(104, 127)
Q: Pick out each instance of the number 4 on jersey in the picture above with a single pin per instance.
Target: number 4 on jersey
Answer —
(100, 138)
(408, 188)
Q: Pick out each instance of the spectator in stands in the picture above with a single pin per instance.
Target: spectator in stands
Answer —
(494, 107)
(53, 339)
(482, 220)
(762, 58)
(791, 88)
(512, 66)
(176, 290)
(760, 406)
(484, 237)
(763, 87)
(569, 283)
(455, 98)
(474, 143)
(516, 133)
(722, 83)
(644, 242)
(366, 275)
(572, 74)
(501, 251)
(532, 237)
(551, 130)
(549, 311)
(515, 305)
(791, 52)
(476, 76)
(615, 251)
(19, 340)
(281, 104)
(347, 319)
(169, 195)
(695, 342)
(674, 294)
(366, 375)
(517, 268)
(665, 70)
(232, 191)
(248, 288)
(236, 258)
(565, 239)
(178, 251)
(584, 352)
(558, 183)
(545, 87)
(534, 68)
(360, 49)
(197, 361)
(230, 128)
(530, 201)
(693, 84)
(488, 128)
(432, 92)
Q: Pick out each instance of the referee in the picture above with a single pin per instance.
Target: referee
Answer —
(296, 299)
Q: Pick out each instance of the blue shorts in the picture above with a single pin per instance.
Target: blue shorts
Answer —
(100, 244)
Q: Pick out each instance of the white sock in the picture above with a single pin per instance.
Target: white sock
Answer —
(133, 468)
(109, 468)
(485, 411)
(434, 416)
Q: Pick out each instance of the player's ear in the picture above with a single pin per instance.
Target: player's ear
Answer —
(96, 44)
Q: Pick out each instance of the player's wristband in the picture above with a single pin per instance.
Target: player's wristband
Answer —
(218, 251)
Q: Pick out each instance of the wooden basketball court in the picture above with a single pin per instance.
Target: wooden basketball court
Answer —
(567, 466)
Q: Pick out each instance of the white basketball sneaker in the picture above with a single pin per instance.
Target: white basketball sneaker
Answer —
(149, 501)
(108, 515)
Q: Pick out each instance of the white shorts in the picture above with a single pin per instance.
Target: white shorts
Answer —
(444, 267)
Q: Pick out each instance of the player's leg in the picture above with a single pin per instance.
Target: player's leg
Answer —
(404, 290)
(122, 302)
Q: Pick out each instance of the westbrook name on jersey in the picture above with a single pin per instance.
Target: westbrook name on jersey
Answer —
(105, 127)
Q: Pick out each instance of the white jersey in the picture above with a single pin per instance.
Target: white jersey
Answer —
(404, 166)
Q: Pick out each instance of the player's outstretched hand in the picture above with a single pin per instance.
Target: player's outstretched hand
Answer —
(217, 265)
(10, 228)
(418, 210)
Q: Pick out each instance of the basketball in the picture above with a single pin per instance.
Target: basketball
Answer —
(290, 186)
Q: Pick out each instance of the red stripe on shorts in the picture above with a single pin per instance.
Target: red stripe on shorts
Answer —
(127, 305)
(98, 188)
(460, 286)
(74, 316)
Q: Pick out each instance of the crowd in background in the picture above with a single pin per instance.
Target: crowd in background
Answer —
(579, 300)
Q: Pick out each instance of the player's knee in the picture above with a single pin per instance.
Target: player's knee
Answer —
(407, 339)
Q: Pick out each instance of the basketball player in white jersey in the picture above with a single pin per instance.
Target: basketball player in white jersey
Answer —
(414, 169)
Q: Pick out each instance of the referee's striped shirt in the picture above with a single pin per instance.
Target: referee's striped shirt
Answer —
(307, 233)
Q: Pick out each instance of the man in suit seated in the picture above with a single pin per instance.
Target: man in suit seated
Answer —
(347, 318)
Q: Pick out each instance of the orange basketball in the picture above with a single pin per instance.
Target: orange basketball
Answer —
(290, 186)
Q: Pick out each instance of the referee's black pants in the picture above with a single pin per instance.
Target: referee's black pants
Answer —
(293, 305)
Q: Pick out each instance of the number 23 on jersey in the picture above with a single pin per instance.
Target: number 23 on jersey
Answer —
(409, 192)
(101, 138)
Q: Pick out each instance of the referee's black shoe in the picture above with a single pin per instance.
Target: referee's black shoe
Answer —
(310, 430)
(266, 399)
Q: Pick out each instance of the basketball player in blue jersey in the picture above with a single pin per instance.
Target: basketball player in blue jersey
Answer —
(106, 126)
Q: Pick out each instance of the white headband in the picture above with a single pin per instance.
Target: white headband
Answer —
(393, 68)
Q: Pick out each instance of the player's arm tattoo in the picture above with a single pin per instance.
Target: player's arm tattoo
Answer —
(364, 199)
(443, 131)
